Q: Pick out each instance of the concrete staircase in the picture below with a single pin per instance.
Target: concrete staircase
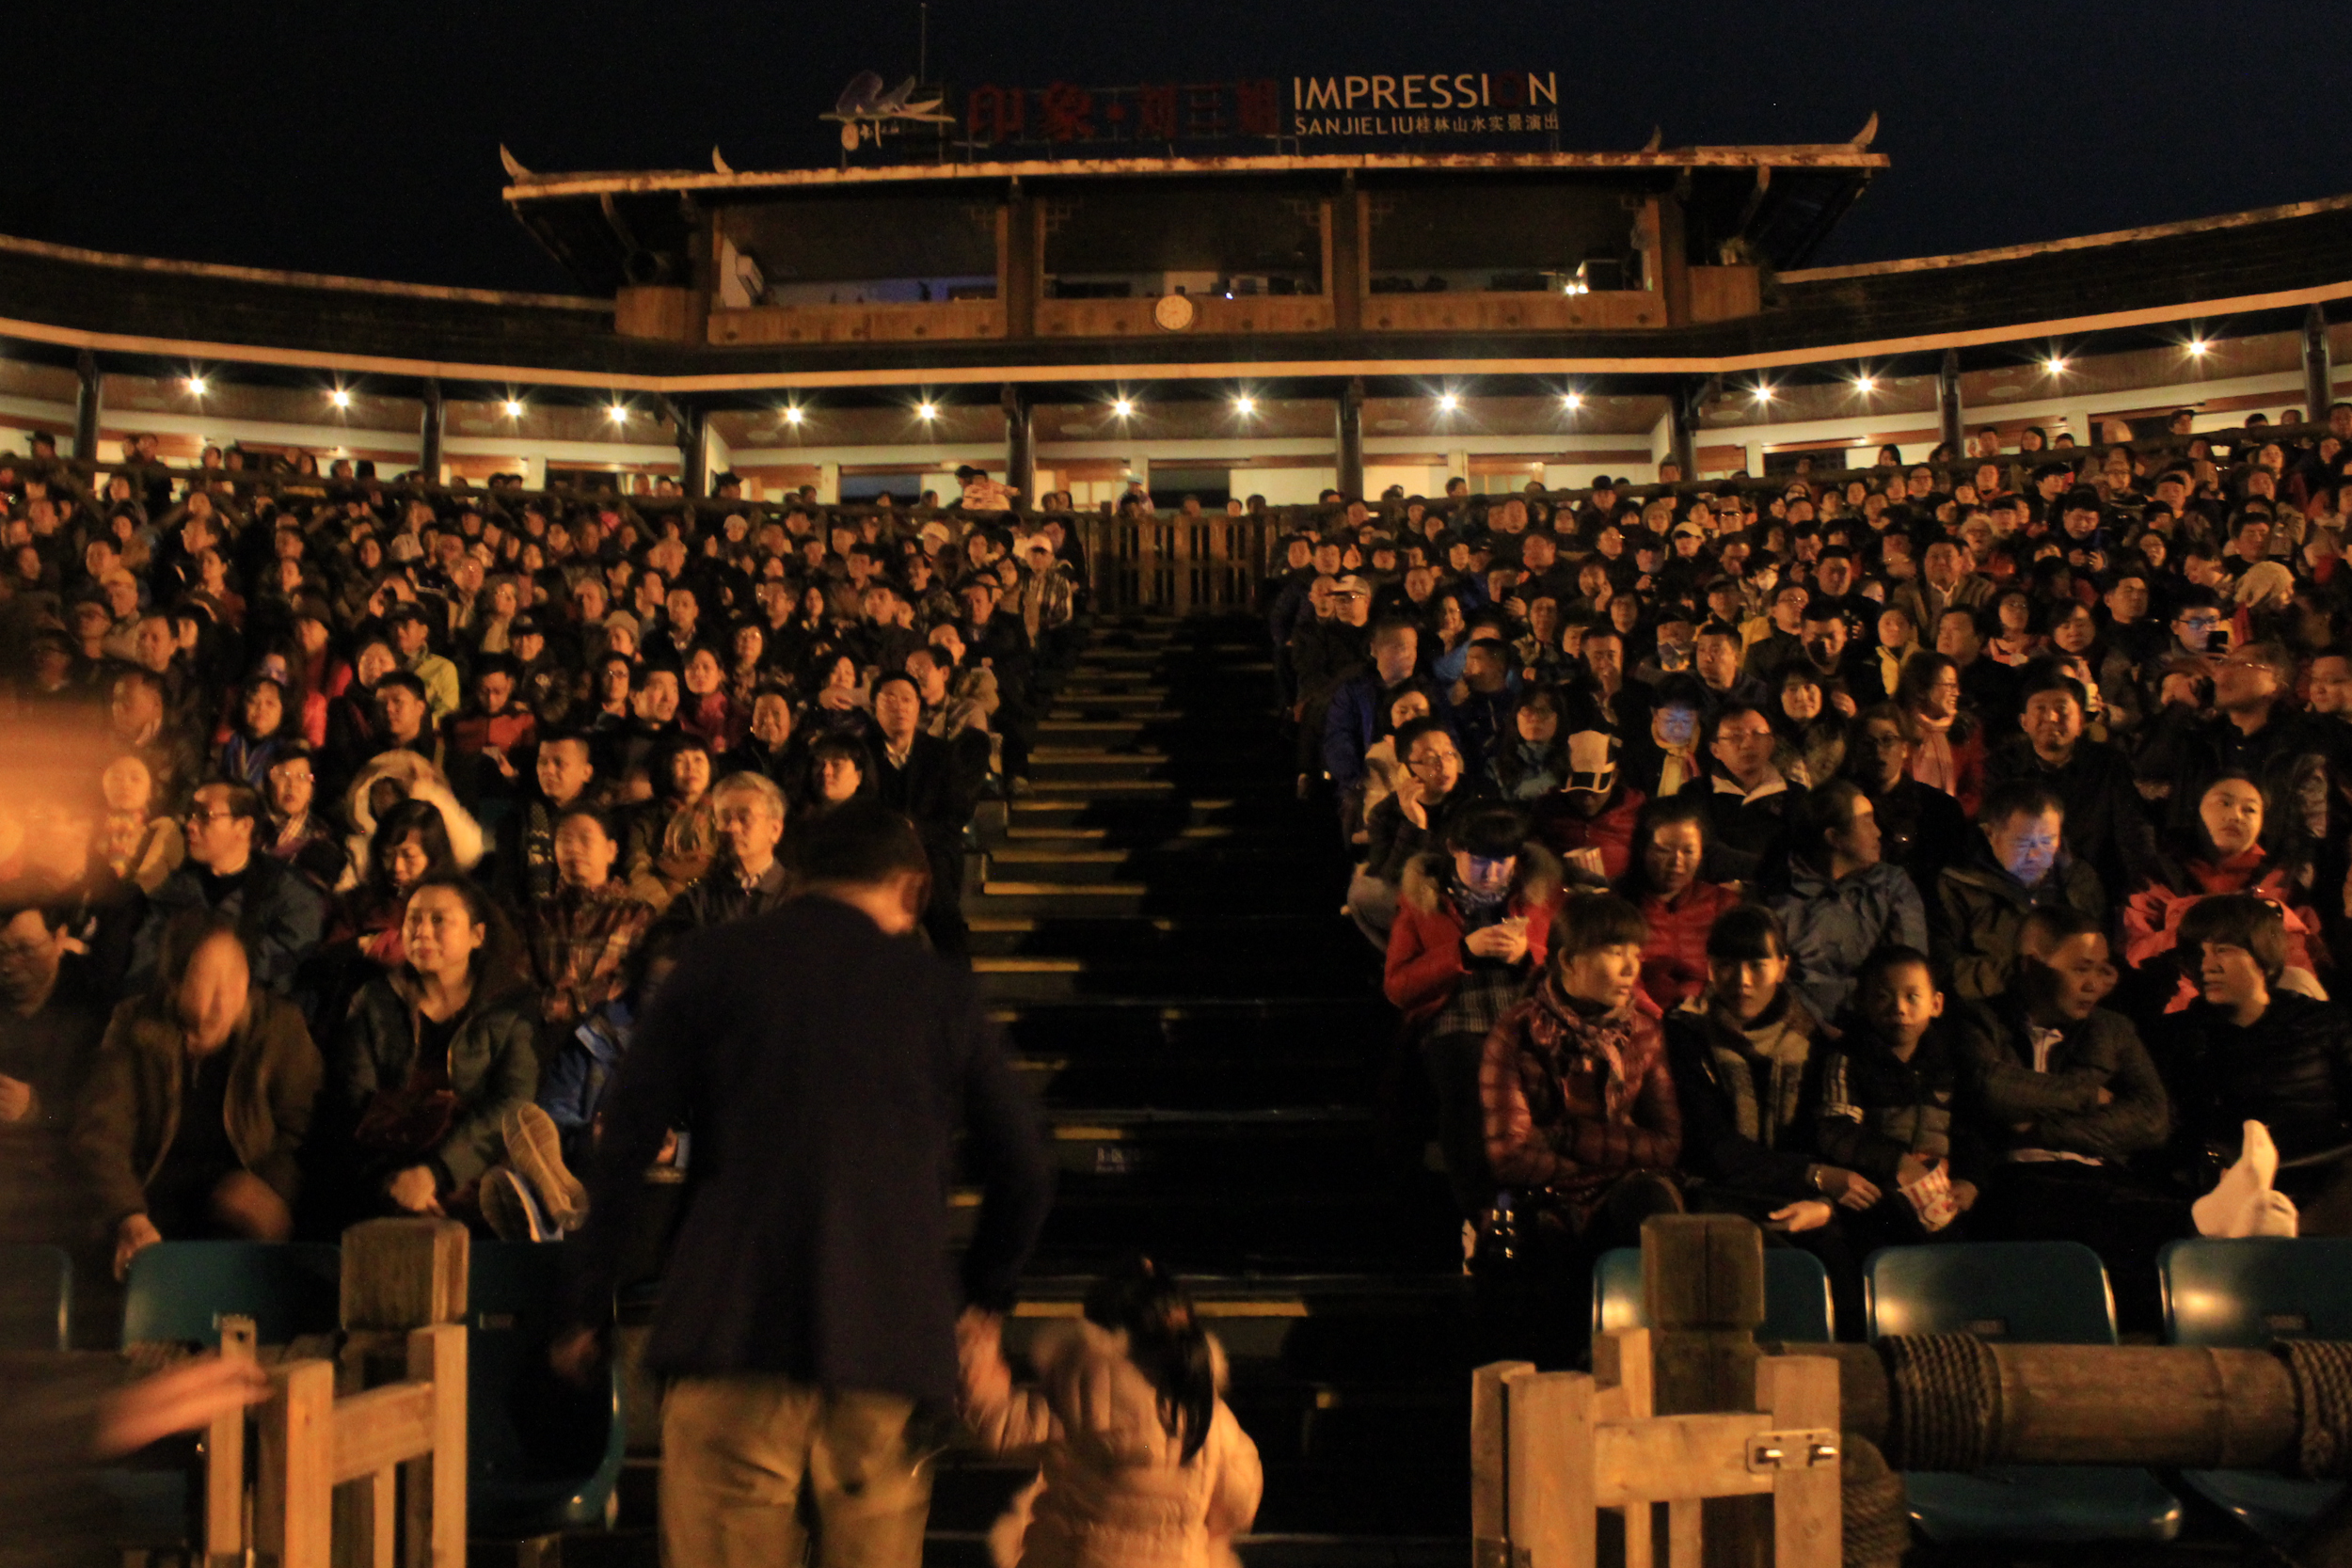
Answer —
(1156, 926)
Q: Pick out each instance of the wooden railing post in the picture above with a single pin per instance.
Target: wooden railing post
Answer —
(224, 1461)
(294, 1499)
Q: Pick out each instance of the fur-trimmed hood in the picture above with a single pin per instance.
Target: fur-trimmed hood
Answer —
(1537, 878)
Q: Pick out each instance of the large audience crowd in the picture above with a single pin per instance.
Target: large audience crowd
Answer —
(399, 804)
(1951, 850)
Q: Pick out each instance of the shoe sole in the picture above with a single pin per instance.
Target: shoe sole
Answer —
(536, 1149)
(507, 1211)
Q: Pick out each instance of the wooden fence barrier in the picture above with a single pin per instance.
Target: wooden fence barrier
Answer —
(362, 1457)
(1686, 1414)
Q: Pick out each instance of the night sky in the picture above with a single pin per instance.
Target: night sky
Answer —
(362, 138)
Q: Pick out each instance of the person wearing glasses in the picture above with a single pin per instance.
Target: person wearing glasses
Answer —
(277, 913)
(1436, 783)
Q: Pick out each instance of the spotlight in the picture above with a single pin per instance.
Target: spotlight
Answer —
(1763, 392)
(514, 409)
(927, 410)
(1574, 401)
(618, 413)
(1866, 384)
(1448, 403)
(2197, 346)
(340, 398)
(1244, 405)
(2054, 365)
(1122, 407)
(195, 386)
(792, 414)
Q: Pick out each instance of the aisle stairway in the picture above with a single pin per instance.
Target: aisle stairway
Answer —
(1155, 926)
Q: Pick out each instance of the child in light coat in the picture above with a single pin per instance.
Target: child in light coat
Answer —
(1142, 1464)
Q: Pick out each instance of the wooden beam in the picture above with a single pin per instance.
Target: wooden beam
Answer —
(1490, 1459)
(437, 1486)
(293, 1511)
(382, 1428)
(403, 1273)
(2319, 384)
(1800, 1392)
(224, 1458)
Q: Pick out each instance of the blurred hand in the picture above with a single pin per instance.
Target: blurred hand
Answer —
(415, 1190)
(1964, 1196)
(188, 1398)
(1804, 1214)
(135, 1235)
(16, 1098)
(1849, 1189)
(573, 1355)
(2105, 1096)
(1587, 860)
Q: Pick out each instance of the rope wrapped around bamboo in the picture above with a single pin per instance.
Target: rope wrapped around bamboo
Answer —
(2323, 1391)
(1946, 1396)
(1877, 1529)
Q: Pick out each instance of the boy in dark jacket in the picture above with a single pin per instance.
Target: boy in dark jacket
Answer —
(1888, 1095)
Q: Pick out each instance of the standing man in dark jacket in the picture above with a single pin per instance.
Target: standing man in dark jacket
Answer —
(824, 1066)
(919, 777)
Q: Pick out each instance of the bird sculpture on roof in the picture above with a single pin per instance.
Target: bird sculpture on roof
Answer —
(864, 107)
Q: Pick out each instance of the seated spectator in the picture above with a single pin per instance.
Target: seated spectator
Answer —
(1589, 820)
(672, 837)
(1360, 710)
(259, 733)
(1383, 767)
(277, 914)
(1746, 800)
(407, 722)
(1906, 1165)
(2249, 1050)
(1436, 783)
(52, 1017)
(2224, 854)
(1531, 760)
(1921, 829)
(564, 772)
(1581, 1124)
(1677, 909)
(1748, 1070)
(1946, 744)
(199, 1102)
(142, 846)
(363, 938)
(295, 832)
(1808, 729)
(1472, 925)
(840, 770)
(580, 938)
(1141, 1461)
(382, 784)
(489, 742)
(435, 1054)
(919, 777)
(771, 747)
(748, 878)
(2015, 864)
(1479, 705)
(1844, 902)
(2106, 827)
(2066, 1097)
(1664, 758)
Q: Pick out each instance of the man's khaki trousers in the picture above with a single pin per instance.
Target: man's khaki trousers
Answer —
(736, 1452)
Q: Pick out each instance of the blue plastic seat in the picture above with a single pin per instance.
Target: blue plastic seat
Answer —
(2245, 1294)
(2038, 1292)
(36, 1298)
(544, 1455)
(1796, 1295)
(180, 1291)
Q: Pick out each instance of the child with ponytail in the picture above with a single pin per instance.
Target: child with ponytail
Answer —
(1142, 1464)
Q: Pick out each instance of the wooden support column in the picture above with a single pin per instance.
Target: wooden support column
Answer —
(293, 1517)
(1703, 1281)
(1020, 262)
(1020, 446)
(693, 450)
(1687, 399)
(1348, 254)
(88, 405)
(2319, 376)
(1947, 400)
(434, 423)
(1350, 404)
(1673, 264)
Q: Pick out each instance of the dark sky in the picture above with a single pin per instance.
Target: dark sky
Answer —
(348, 137)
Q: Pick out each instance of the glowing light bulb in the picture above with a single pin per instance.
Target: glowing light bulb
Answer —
(617, 413)
(2197, 346)
(514, 409)
(1448, 403)
(340, 398)
(2054, 365)
(926, 411)
(195, 386)
(792, 414)
(1574, 400)
(1122, 406)
(1866, 384)
(1763, 394)
(1244, 405)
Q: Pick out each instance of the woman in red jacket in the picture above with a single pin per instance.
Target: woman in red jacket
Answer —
(2226, 854)
(1669, 843)
(1472, 923)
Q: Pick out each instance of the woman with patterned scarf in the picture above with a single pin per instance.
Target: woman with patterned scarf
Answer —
(1472, 923)
(1946, 745)
(1581, 1121)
